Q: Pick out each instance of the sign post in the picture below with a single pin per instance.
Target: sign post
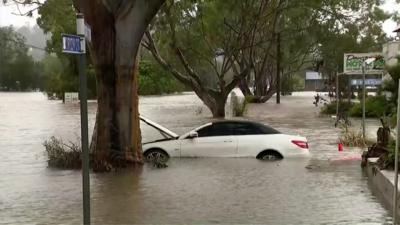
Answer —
(363, 105)
(75, 44)
(80, 30)
(337, 95)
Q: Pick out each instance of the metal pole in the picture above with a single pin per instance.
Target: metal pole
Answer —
(363, 104)
(278, 68)
(337, 95)
(396, 159)
(80, 29)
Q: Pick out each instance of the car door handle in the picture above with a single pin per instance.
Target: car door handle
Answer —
(227, 141)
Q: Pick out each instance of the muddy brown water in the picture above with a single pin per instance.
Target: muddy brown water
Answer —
(332, 190)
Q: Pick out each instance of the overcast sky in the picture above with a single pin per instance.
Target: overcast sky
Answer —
(7, 18)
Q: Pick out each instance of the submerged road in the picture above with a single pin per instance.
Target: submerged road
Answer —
(332, 190)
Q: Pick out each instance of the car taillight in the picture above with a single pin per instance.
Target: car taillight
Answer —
(301, 144)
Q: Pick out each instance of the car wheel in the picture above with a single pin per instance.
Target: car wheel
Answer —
(270, 156)
(156, 155)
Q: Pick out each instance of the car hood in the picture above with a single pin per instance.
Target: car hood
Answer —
(158, 127)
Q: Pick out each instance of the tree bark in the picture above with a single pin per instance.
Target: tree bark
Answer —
(216, 104)
(244, 87)
(117, 28)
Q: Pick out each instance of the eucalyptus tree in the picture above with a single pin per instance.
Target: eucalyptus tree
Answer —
(117, 28)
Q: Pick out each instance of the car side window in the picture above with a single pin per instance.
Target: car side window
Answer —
(268, 130)
(217, 129)
(247, 129)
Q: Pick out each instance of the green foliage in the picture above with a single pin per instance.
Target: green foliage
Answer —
(292, 83)
(240, 109)
(376, 107)
(153, 80)
(57, 17)
(61, 71)
(18, 71)
(63, 156)
(392, 84)
(386, 161)
(331, 107)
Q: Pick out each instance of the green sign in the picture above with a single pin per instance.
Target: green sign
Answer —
(353, 63)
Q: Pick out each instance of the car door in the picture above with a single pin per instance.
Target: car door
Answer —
(251, 139)
(215, 140)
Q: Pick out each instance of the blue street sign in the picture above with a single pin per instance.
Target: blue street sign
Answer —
(71, 44)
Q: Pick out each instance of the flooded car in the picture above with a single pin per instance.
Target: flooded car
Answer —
(227, 138)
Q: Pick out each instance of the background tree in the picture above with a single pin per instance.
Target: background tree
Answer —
(204, 43)
(18, 71)
(306, 27)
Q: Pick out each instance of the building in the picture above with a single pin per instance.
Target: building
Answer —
(314, 81)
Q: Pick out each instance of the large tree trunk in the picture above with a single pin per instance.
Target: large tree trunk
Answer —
(216, 103)
(117, 135)
(117, 29)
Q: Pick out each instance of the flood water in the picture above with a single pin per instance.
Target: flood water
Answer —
(332, 190)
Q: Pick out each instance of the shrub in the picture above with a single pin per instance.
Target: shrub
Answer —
(61, 155)
(153, 80)
(374, 107)
(351, 138)
(386, 161)
(331, 107)
(240, 109)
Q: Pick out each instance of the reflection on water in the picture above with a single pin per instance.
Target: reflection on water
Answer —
(322, 190)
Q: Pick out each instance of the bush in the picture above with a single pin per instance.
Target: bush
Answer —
(351, 138)
(61, 155)
(374, 107)
(240, 109)
(153, 80)
(386, 161)
(331, 107)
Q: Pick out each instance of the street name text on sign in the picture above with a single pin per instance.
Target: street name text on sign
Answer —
(72, 44)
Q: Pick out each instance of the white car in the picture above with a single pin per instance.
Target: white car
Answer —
(225, 138)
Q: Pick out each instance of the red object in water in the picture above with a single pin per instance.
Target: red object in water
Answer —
(340, 147)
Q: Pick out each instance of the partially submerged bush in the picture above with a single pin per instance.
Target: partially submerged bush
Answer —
(331, 107)
(62, 155)
(240, 109)
(351, 138)
(376, 106)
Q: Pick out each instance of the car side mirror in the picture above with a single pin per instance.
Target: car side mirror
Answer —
(193, 134)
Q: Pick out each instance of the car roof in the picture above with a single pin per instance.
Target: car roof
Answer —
(239, 121)
(235, 121)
